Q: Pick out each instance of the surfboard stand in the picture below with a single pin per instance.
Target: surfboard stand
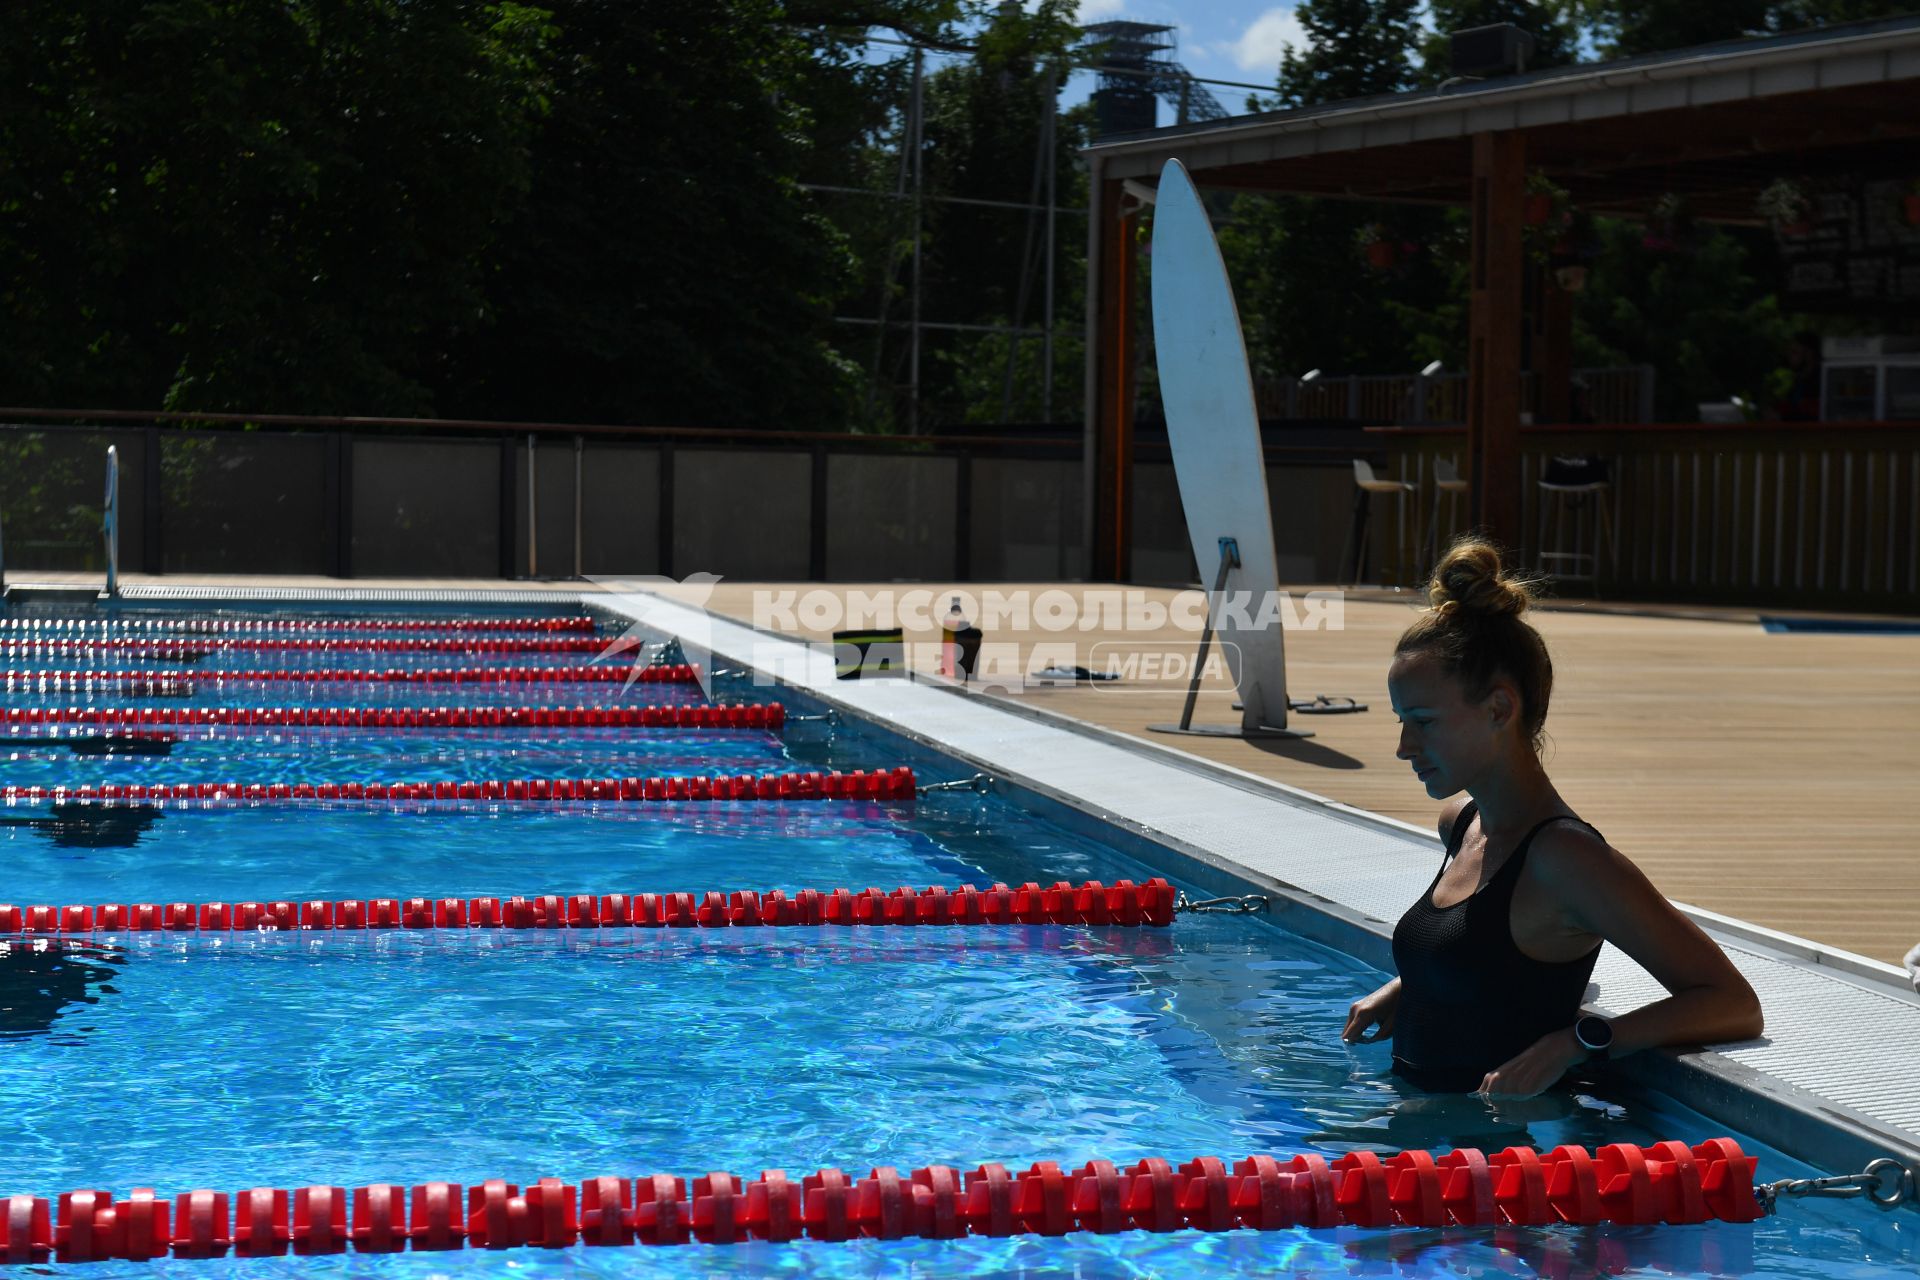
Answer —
(1252, 704)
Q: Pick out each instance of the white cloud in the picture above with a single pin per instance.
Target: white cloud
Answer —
(1261, 44)
(1094, 10)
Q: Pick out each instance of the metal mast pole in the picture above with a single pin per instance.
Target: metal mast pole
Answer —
(915, 134)
(1053, 167)
(1032, 230)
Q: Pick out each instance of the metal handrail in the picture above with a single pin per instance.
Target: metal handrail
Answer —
(110, 520)
(718, 436)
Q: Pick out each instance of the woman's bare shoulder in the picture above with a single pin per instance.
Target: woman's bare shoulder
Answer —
(1450, 814)
(1572, 854)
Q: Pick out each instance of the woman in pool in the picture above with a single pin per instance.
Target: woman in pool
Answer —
(1495, 957)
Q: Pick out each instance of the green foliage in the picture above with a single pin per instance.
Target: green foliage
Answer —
(666, 266)
(1624, 28)
(587, 210)
(610, 210)
(233, 205)
(985, 139)
(1308, 297)
(1354, 48)
(1701, 317)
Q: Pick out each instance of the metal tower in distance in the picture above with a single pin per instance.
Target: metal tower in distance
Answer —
(1135, 64)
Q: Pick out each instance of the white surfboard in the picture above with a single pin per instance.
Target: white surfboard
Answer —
(1214, 428)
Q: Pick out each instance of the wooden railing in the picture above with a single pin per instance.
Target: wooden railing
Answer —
(1622, 393)
(1813, 514)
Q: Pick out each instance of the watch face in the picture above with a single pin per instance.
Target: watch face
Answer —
(1593, 1033)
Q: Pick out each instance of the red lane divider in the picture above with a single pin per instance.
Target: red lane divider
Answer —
(882, 784)
(140, 682)
(1122, 903)
(194, 650)
(770, 715)
(1670, 1183)
(243, 626)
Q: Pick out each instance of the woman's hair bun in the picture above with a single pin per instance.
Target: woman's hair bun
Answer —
(1470, 580)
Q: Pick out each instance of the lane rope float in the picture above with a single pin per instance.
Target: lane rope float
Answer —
(1122, 903)
(770, 715)
(882, 784)
(183, 683)
(1668, 1182)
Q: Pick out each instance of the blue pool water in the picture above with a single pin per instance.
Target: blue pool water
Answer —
(285, 1059)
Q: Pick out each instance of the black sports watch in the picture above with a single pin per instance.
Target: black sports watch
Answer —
(1595, 1036)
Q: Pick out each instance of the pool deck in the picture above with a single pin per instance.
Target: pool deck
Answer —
(1671, 725)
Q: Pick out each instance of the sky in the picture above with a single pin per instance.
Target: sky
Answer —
(1237, 40)
(1217, 39)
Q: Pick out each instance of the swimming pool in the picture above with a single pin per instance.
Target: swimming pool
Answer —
(245, 1059)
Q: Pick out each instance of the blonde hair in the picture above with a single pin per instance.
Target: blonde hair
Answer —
(1473, 625)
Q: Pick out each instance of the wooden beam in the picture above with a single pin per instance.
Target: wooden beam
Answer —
(1113, 385)
(1494, 330)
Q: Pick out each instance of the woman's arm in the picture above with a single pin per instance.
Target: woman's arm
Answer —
(1376, 1010)
(1602, 892)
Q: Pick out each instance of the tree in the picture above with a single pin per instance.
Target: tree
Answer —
(1710, 327)
(224, 205)
(988, 138)
(1355, 48)
(670, 266)
(1307, 297)
(1626, 28)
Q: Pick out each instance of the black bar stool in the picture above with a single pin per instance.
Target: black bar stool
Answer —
(1366, 485)
(1573, 491)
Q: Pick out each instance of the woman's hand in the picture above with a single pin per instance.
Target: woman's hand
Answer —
(1376, 1010)
(1535, 1069)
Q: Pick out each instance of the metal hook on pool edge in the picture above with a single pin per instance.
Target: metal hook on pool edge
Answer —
(980, 783)
(1245, 905)
(1885, 1181)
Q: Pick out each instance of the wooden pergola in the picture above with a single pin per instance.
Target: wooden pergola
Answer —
(1713, 125)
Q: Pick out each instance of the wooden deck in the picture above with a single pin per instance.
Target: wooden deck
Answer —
(1763, 776)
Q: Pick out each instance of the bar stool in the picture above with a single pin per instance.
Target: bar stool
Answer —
(1447, 481)
(1367, 484)
(1566, 485)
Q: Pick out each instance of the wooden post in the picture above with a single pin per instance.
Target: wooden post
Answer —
(1494, 330)
(1112, 373)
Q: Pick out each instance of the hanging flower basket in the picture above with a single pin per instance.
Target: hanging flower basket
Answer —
(1377, 245)
(1669, 225)
(1786, 204)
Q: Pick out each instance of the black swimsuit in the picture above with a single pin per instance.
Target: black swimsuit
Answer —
(1470, 999)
